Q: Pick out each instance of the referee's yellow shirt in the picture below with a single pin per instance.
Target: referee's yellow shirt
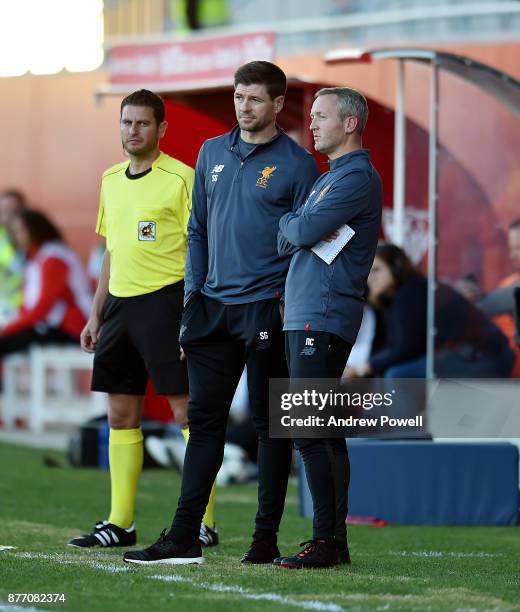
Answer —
(145, 224)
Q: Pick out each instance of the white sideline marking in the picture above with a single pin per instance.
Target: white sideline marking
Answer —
(2, 547)
(9, 608)
(439, 553)
(224, 588)
(319, 606)
(106, 567)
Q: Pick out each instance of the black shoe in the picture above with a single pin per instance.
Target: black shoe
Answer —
(106, 534)
(207, 536)
(343, 555)
(262, 550)
(317, 553)
(166, 551)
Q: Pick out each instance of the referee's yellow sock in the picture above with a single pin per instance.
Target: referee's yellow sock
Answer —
(125, 451)
(209, 518)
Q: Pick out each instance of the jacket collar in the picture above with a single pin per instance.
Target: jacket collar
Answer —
(234, 135)
(344, 159)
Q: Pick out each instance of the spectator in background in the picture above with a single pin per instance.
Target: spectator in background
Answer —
(56, 290)
(500, 303)
(12, 202)
(95, 262)
(189, 15)
(467, 344)
(394, 288)
(514, 254)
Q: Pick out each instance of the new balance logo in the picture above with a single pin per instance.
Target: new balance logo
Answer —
(215, 172)
(308, 351)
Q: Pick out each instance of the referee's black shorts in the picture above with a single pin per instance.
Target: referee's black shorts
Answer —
(140, 339)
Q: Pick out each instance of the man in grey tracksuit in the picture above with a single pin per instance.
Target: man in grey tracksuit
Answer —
(324, 302)
(245, 181)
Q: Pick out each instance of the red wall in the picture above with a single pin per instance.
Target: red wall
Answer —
(192, 119)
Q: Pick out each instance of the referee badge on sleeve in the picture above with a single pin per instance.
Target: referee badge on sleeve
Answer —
(146, 230)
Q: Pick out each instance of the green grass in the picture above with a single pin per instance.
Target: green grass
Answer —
(394, 568)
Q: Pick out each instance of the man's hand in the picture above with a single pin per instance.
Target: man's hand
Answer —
(332, 236)
(349, 373)
(360, 371)
(469, 288)
(90, 335)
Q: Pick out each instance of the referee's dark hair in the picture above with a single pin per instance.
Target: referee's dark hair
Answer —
(39, 227)
(145, 97)
(263, 73)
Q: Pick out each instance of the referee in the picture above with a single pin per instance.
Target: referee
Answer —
(134, 322)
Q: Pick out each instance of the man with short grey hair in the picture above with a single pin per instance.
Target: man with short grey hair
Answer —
(328, 317)
(348, 102)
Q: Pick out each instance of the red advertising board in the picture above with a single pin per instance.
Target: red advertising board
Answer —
(177, 65)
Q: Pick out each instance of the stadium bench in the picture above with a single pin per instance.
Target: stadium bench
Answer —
(39, 386)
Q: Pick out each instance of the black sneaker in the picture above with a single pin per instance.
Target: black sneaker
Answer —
(207, 536)
(343, 555)
(262, 550)
(317, 553)
(167, 552)
(106, 534)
